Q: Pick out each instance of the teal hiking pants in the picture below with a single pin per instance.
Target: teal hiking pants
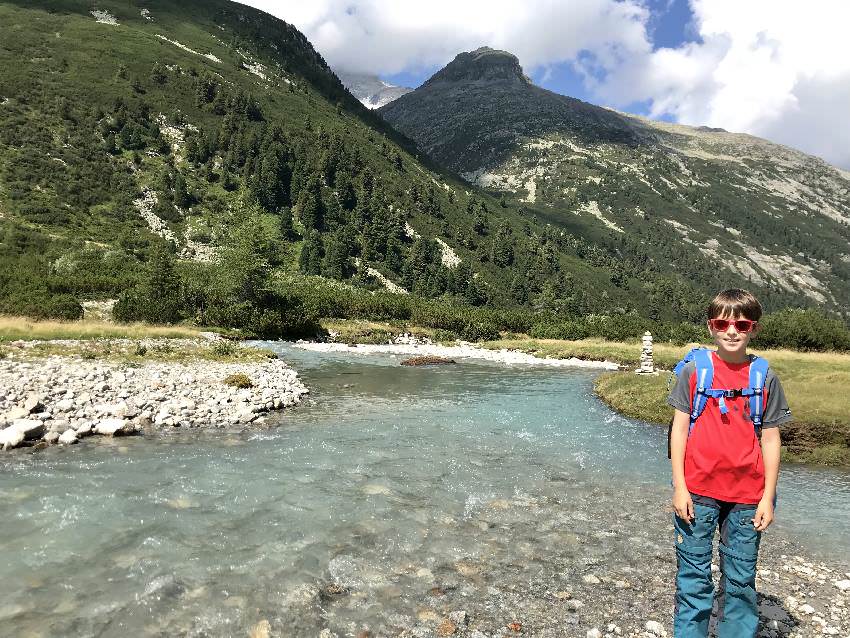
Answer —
(737, 611)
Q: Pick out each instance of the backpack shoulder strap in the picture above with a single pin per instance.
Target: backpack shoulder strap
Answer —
(758, 376)
(705, 377)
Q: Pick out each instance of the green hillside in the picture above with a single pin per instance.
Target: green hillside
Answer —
(200, 161)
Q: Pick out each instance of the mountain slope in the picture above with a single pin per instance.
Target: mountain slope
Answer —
(697, 199)
(130, 127)
(372, 91)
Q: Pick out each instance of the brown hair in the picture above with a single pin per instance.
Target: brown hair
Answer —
(735, 302)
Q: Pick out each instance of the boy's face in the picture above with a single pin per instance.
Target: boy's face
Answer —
(731, 340)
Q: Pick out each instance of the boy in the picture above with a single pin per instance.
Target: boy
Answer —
(724, 476)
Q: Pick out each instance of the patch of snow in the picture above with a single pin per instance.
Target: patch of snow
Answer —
(449, 257)
(209, 56)
(592, 207)
(146, 14)
(104, 17)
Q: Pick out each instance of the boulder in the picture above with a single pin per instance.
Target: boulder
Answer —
(60, 426)
(32, 428)
(65, 405)
(51, 437)
(11, 437)
(84, 429)
(15, 414)
(33, 403)
(114, 427)
(68, 437)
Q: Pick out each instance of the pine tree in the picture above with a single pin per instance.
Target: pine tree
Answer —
(310, 260)
(310, 206)
(160, 290)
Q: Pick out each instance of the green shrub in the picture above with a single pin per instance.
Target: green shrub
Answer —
(807, 330)
(63, 307)
(569, 330)
(223, 348)
(238, 380)
(477, 330)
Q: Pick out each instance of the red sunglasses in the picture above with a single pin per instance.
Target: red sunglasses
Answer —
(741, 325)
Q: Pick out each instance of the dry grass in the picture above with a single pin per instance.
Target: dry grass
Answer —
(14, 328)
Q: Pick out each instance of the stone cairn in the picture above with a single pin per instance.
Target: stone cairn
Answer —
(646, 364)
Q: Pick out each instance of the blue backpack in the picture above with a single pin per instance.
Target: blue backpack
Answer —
(704, 390)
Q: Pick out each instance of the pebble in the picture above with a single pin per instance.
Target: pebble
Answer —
(56, 394)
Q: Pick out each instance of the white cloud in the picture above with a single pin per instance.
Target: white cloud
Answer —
(774, 68)
(388, 36)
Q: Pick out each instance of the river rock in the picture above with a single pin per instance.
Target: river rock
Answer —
(51, 437)
(33, 403)
(32, 428)
(114, 427)
(65, 405)
(11, 437)
(68, 437)
(84, 429)
(15, 413)
(655, 628)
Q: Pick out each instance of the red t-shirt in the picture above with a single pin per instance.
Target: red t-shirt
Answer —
(723, 453)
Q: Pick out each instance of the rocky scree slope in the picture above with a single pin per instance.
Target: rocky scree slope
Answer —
(699, 200)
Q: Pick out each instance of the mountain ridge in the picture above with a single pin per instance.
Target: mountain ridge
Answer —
(784, 215)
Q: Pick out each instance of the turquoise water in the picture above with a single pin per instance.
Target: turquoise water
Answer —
(378, 482)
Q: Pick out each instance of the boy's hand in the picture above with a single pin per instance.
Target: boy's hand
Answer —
(683, 505)
(764, 515)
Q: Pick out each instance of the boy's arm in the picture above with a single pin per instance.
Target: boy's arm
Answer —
(682, 502)
(776, 414)
(771, 444)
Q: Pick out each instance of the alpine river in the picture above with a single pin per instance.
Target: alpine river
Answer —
(390, 492)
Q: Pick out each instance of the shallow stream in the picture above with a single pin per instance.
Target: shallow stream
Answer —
(391, 498)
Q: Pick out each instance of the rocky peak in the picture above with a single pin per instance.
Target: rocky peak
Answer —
(482, 65)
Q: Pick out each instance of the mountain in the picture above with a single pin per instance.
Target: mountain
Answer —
(205, 151)
(372, 91)
(697, 199)
(200, 161)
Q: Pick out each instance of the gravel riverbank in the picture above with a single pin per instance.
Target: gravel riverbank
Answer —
(460, 351)
(61, 398)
